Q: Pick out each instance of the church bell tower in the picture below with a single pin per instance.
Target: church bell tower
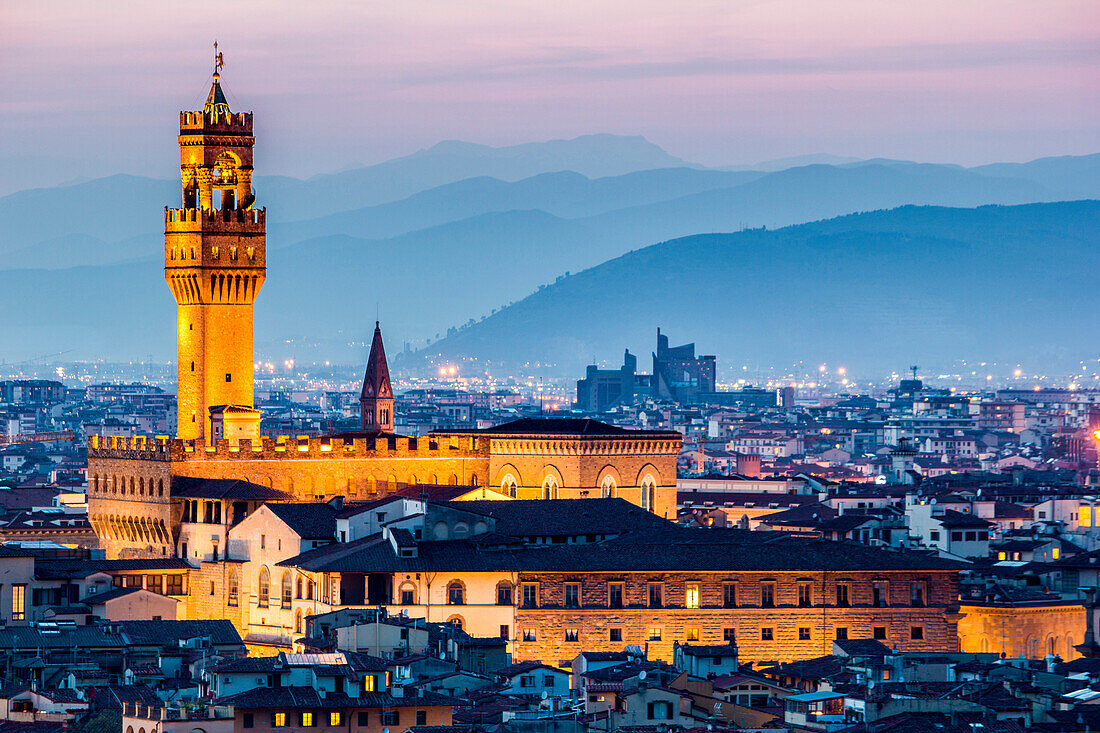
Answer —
(376, 399)
(215, 264)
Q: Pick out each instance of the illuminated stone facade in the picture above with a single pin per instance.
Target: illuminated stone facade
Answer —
(1031, 630)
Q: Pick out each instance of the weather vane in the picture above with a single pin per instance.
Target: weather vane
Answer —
(218, 60)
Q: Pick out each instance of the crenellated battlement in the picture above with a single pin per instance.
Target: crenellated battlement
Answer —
(200, 123)
(209, 221)
(285, 447)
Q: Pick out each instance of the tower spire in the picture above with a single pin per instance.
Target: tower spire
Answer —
(216, 103)
(376, 399)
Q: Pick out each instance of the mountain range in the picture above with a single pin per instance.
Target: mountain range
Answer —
(435, 241)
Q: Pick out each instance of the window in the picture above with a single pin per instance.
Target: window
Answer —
(408, 597)
(916, 594)
(916, 633)
(691, 595)
(956, 536)
(691, 635)
(391, 717)
(983, 536)
(228, 377)
(934, 535)
(264, 594)
(288, 587)
(155, 583)
(368, 683)
(362, 718)
(880, 593)
(767, 633)
(571, 635)
(529, 635)
(729, 595)
(971, 536)
(306, 718)
(247, 720)
(654, 634)
(659, 710)
(504, 594)
(456, 594)
(263, 541)
(421, 717)
(530, 595)
(880, 633)
(842, 594)
(278, 720)
(805, 591)
(841, 632)
(334, 718)
(729, 636)
(505, 632)
(175, 585)
(234, 587)
(614, 595)
(1055, 553)
(656, 595)
(572, 595)
(615, 634)
(18, 602)
(803, 633)
(767, 594)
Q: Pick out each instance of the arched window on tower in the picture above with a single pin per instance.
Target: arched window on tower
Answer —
(508, 486)
(649, 492)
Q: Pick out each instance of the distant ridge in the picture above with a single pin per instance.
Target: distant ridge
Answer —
(869, 291)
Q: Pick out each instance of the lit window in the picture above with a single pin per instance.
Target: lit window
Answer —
(692, 635)
(280, 720)
(1056, 552)
(691, 596)
(368, 683)
(334, 718)
(307, 719)
(18, 602)
(1084, 517)
(654, 634)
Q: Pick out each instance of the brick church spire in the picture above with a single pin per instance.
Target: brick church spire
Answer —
(376, 399)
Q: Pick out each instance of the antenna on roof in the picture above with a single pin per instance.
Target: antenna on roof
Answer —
(914, 370)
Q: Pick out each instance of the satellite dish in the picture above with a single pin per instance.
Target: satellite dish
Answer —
(443, 655)
(933, 502)
(641, 675)
(545, 694)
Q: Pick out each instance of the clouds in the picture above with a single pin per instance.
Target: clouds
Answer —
(722, 81)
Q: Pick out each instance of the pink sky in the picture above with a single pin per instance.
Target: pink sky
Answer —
(84, 92)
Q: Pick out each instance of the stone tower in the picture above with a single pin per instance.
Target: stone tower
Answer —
(376, 400)
(215, 264)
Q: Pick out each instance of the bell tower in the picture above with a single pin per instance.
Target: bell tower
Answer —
(376, 399)
(215, 264)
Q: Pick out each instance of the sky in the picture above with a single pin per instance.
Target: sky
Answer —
(91, 89)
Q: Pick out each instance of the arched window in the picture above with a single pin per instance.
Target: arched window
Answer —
(298, 589)
(508, 486)
(287, 586)
(298, 621)
(649, 492)
(607, 487)
(550, 487)
(234, 587)
(264, 594)
(457, 622)
(504, 593)
(309, 589)
(456, 593)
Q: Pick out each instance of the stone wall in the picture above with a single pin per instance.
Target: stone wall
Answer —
(1032, 630)
(712, 623)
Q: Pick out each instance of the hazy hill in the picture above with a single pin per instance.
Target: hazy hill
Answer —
(870, 291)
(121, 207)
